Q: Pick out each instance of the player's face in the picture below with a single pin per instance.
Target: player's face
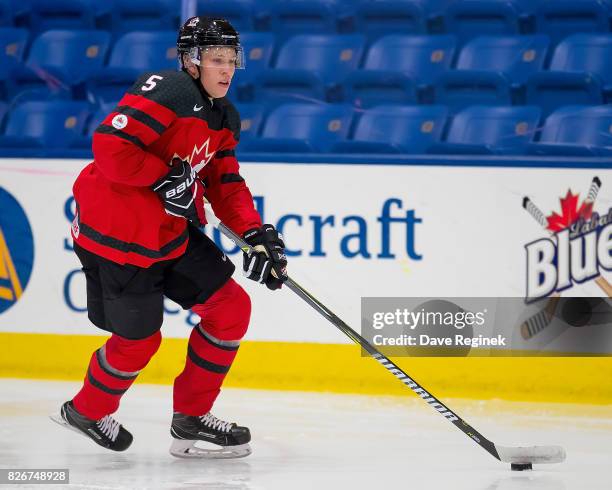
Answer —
(217, 67)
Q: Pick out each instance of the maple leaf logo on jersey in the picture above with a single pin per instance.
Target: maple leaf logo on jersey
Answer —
(200, 156)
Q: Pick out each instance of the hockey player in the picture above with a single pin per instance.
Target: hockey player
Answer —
(169, 142)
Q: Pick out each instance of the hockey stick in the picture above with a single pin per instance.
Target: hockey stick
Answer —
(520, 457)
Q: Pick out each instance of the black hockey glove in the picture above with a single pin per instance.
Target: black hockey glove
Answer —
(181, 192)
(267, 262)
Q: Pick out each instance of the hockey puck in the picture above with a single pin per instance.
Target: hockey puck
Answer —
(520, 466)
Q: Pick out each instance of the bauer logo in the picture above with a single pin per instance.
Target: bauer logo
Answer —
(16, 250)
(577, 248)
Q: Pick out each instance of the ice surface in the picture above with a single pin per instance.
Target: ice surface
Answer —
(311, 441)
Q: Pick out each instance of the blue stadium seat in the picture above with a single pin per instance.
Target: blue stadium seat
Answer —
(396, 129)
(133, 54)
(251, 117)
(258, 48)
(44, 125)
(6, 13)
(516, 57)
(302, 128)
(561, 18)
(490, 130)
(173, 10)
(62, 14)
(376, 18)
(576, 131)
(464, 90)
(395, 65)
(579, 71)
(244, 15)
(469, 18)
(85, 140)
(3, 110)
(310, 67)
(491, 65)
(61, 59)
(290, 17)
(12, 47)
(141, 15)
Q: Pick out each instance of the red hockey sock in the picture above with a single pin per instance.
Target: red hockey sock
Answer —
(112, 370)
(213, 345)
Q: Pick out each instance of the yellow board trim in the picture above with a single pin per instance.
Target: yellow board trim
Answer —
(332, 368)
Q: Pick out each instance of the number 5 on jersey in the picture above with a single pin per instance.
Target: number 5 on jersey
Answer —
(151, 83)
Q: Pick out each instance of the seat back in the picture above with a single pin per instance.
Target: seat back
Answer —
(412, 128)
(585, 53)
(561, 18)
(74, 53)
(516, 56)
(3, 111)
(330, 57)
(469, 18)
(143, 51)
(376, 18)
(240, 13)
(142, 15)
(12, 47)
(501, 127)
(580, 125)
(291, 17)
(62, 14)
(459, 90)
(321, 125)
(95, 120)
(6, 13)
(251, 117)
(258, 49)
(52, 124)
(423, 58)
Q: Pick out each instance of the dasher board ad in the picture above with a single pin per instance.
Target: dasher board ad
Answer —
(351, 232)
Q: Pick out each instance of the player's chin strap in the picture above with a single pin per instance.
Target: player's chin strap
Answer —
(519, 457)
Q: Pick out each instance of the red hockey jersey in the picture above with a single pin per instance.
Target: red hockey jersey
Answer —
(164, 115)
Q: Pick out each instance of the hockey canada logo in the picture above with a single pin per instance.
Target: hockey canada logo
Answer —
(16, 251)
(200, 156)
(578, 248)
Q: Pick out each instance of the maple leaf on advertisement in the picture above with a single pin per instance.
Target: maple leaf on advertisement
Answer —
(570, 212)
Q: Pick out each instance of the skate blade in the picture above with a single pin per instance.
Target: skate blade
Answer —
(58, 419)
(183, 448)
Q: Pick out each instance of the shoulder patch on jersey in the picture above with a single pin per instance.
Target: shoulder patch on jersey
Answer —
(120, 121)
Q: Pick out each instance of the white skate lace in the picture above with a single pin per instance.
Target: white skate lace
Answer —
(211, 421)
(109, 427)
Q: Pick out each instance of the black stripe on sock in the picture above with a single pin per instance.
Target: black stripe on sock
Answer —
(204, 364)
(100, 386)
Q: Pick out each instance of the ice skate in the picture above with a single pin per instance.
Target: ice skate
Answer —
(106, 432)
(208, 437)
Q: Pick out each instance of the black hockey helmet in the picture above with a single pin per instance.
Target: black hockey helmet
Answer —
(198, 33)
